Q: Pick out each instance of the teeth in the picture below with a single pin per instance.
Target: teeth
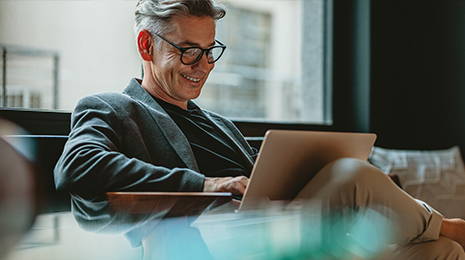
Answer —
(191, 78)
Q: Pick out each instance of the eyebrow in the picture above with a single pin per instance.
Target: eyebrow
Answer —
(194, 44)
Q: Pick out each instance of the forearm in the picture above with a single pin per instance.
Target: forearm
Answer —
(94, 170)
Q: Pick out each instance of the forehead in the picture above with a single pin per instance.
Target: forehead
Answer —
(199, 30)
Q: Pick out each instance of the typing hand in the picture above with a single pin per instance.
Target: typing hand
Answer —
(235, 185)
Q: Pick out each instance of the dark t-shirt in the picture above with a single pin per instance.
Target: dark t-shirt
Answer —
(216, 154)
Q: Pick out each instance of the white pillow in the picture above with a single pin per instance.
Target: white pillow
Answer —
(435, 177)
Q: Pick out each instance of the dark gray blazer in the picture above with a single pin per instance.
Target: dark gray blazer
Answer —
(127, 142)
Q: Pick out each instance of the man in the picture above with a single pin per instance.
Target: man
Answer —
(154, 138)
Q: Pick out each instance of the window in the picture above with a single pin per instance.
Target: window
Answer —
(29, 77)
(274, 68)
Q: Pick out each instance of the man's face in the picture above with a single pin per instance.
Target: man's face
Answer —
(176, 81)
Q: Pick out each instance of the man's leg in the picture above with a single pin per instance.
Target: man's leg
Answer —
(441, 249)
(354, 184)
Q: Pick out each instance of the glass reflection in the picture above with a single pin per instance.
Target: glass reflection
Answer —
(215, 231)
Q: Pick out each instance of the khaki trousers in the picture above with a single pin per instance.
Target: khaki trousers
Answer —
(355, 184)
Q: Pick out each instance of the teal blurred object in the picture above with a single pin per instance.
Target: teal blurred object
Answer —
(282, 235)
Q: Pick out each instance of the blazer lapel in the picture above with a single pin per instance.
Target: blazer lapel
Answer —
(170, 130)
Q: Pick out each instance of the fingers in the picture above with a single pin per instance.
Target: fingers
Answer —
(244, 180)
(239, 184)
(235, 185)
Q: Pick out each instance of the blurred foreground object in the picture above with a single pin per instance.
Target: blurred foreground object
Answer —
(18, 200)
(278, 234)
(167, 226)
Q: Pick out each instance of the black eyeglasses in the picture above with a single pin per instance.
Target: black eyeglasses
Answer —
(192, 55)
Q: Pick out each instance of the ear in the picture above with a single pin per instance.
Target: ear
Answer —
(144, 45)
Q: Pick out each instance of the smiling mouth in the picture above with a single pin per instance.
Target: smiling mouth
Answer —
(195, 80)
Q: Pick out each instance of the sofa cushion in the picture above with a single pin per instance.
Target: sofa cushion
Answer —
(436, 177)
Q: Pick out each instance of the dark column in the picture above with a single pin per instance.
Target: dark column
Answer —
(4, 57)
(351, 65)
(418, 73)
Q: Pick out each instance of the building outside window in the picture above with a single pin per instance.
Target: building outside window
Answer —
(273, 68)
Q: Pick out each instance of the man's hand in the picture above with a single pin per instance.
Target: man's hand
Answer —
(235, 185)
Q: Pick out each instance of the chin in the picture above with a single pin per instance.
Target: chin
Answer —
(194, 95)
(193, 92)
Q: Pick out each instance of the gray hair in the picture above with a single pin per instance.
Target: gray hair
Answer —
(155, 15)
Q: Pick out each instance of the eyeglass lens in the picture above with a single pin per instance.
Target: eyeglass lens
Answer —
(192, 55)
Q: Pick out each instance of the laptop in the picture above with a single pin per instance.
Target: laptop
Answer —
(288, 159)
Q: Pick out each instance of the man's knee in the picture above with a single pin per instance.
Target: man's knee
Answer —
(353, 170)
(341, 176)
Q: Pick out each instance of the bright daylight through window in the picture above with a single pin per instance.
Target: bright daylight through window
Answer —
(272, 70)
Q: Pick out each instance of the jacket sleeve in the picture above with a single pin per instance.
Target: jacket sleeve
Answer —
(92, 160)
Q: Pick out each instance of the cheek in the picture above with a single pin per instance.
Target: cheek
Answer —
(170, 70)
(210, 70)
